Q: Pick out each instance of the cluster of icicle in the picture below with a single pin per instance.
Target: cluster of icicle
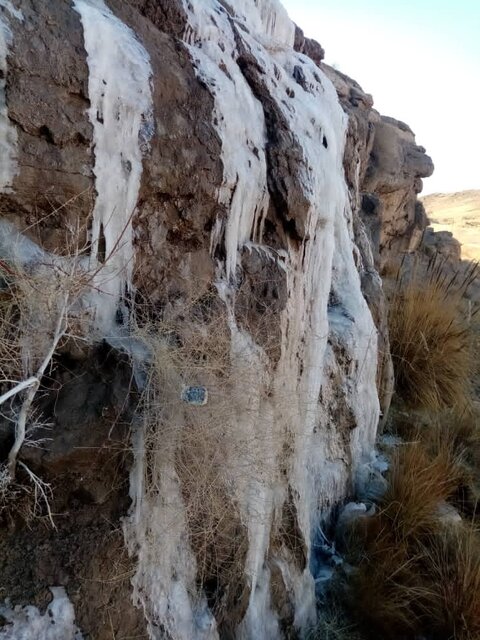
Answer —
(319, 469)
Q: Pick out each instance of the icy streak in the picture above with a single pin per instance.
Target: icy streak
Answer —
(8, 133)
(121, 115)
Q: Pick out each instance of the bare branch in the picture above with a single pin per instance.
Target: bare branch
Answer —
(21, 386)
(40, 487)
(20, 427)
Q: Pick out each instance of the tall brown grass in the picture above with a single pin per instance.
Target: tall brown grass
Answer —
(458, 433)
(389, 555)
(419, 569)
(418, 483)
(431, 324)
(451, 559)
(430, 341)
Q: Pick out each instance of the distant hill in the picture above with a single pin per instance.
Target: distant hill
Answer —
(460, 214)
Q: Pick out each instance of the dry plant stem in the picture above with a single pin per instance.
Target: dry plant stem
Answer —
(42, 488)
(21, 386)
(20, 427)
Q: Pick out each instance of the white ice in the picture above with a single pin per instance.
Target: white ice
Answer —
(240, 124)
(27, 623)
(289, 406)
(121, 112)
(15, 13)
(268, 20)
(8, 132)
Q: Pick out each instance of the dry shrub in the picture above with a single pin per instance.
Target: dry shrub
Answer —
(452, 562)
(40, 310)
(25, 499)
(418, 482)
(202, 447)
(392, 588)
(431, 341)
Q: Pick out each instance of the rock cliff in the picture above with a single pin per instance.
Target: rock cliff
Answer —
(216, 184)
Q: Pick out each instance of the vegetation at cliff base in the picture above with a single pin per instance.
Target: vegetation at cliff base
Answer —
(431, 340)
(418, 561)
(415, 563)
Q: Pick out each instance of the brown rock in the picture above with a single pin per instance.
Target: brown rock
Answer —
(309, 47)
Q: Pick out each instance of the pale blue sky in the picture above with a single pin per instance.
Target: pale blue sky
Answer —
(420, 59)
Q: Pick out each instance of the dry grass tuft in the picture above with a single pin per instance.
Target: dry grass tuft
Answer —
(432, 333)
(333, 624)
(418, 483)
(430, 341)
(451, 558)
(419, 569)
(456, 433)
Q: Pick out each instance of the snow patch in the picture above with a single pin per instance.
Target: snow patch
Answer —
(27, 623)
(121, 113)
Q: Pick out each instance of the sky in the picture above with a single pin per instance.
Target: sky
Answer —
(420, 59)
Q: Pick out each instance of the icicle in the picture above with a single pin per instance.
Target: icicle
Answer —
(241, 130)
(121, 113)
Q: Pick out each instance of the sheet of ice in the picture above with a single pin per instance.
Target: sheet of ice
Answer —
(8, 132)
(316, 477)
(281, 409)
(16, 248)
(27, 623)
(267, 20)
(121, 112)
(156, 533)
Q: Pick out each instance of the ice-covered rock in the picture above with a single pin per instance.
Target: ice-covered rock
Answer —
(207, 165)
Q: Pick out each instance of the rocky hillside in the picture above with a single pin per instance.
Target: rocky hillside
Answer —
(195, 361)
(458, 214)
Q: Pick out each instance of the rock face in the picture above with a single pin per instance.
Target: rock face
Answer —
(387, 166)
(216, 178)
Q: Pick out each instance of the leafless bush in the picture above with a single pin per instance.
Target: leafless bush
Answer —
(40, 309)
